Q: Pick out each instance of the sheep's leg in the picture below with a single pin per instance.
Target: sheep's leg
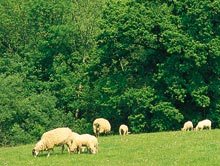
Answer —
(63, 148)
(89, 149)
(79, 149)
(68, 147)
(48, 154)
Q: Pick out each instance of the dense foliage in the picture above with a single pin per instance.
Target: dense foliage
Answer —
(149, 64)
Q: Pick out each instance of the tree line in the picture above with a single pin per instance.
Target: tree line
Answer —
(149, 64)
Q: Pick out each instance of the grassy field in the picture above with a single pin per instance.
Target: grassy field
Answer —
(164, 148)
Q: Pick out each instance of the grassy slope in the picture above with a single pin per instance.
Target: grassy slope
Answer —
(165, 148)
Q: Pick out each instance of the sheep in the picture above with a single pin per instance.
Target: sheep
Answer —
(101, 125)
(203, 124)
(87, 140)
(123, 130)
(55, 137)
(187, 126)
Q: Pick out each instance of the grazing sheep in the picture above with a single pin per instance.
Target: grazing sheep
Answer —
(87, 140)
(123, 130)
(203, 124)
(101, 125)
(55, 137)
(187, 126)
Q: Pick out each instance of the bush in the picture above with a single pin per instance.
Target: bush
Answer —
(165, 117)
(137, 123)
(25, 115)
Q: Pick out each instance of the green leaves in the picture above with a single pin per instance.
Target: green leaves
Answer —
(137, 123)
(147, 64)
(200, 96)
(23, 111)
(170, 47)
(165, 117)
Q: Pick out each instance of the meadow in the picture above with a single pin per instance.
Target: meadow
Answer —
(162, 148)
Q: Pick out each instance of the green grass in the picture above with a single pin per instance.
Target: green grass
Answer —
(164, 148)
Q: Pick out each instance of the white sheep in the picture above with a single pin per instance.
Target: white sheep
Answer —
(187, 126)
(49, 139)
(101, 125)
(123, 130)
(203, 124)
(84, 140)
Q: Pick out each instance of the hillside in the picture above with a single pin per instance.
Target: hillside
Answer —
(162, 148)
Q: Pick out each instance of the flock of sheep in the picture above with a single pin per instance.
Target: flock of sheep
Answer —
(76, 143)
(200, 126)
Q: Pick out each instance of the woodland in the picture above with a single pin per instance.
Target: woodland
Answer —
(149, 64)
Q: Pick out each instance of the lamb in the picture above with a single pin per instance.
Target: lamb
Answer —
(187, 126)
(55, 137)
(87, 140)
(123, 130)
(203, 124)
(101, 125)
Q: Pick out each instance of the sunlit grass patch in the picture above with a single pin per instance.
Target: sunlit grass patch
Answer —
(162, 148)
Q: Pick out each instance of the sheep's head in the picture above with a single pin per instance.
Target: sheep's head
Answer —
(74, 150)
(40, 146)
(93, 150)
(35, 152)
(97, 126)
(97, 129)
(197, 128)
(73, 147)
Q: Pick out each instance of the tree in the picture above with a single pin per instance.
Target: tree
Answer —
(50, 46)
(167, 47)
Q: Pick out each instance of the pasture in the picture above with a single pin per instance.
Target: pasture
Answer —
(162, 148)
